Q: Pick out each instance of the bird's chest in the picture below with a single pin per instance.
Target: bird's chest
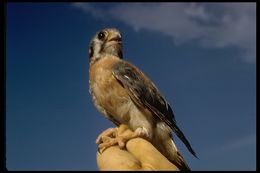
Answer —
(108, 95)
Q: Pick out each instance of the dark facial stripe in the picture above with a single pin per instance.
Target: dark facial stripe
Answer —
(91, 52)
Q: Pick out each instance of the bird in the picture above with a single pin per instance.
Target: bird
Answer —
(126, 95)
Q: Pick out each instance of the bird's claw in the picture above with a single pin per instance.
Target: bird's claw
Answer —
(111, 142)
(106, 135)
(120, 136)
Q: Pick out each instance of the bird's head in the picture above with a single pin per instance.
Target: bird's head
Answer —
(107, 41)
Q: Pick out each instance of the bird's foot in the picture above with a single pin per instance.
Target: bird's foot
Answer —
(106, 135)
(119, 136)
(121, 141)
(109, 138)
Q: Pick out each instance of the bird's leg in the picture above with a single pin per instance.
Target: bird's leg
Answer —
(122, 136)
(142, 132)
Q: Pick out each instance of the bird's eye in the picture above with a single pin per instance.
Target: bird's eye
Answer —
(102, 35)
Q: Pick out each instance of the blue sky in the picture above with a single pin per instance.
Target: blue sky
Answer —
(201, 56)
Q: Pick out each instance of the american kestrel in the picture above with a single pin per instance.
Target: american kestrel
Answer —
(125, 95)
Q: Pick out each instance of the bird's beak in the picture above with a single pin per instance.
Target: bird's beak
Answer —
(117, 39)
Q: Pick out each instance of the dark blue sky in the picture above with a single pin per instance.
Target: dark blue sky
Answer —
(202, 62)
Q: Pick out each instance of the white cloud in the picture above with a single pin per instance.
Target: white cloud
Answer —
(239, 143)
(87, 8)
(230, 146)
(211, 25)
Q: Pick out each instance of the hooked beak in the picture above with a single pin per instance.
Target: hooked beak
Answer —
(116, 39)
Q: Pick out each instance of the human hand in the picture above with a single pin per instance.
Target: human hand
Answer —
(138, 154)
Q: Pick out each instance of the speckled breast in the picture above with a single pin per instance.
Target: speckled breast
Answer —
(109, 97)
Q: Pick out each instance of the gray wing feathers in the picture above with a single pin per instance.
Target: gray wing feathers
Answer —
(144, 93)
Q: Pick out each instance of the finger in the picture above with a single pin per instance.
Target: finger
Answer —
(148, 155)
(114, 158)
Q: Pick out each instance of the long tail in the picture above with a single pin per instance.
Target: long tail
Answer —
(174, 156)
(184, 140)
